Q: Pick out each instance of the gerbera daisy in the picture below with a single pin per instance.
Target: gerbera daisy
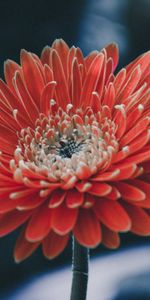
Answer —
(75, 151)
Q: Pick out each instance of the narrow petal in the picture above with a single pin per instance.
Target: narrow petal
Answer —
(87, 230)
(134, 132)
(113, 52)
(59, 77)
(32, 75)
(46, 96)
(10, 67)
(76, 84)
(62, 49)
(112, 214)
(54, 244)
(45, 55)
(91, 79)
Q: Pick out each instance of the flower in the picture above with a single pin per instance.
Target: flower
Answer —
(75, 151)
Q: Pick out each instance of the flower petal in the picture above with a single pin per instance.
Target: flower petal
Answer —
(87, 230)
(112, 214)
(39, 224)
(139, 218)
(74, 198)
(32, 75)
(11, 220)
(63, 219)
(54, 244)
(110, 239)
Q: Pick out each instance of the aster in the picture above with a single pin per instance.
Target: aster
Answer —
(75, 151)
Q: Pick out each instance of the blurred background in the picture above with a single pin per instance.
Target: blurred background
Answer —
(89, 24)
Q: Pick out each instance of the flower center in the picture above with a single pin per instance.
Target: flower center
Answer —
(67, 144)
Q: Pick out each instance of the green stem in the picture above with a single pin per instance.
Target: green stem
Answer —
(80, 271)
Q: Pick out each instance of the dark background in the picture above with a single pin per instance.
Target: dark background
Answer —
(89, 24)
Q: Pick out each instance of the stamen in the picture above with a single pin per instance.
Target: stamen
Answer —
(67, 146)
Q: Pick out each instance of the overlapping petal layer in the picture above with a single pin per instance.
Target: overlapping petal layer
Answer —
(75, 148)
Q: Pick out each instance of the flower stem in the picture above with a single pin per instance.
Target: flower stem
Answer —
(80, 271)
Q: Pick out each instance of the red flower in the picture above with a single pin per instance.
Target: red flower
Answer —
(75, 151)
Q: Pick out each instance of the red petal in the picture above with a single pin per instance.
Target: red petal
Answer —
(57, 197)
(91, 79)
(145, 187)
(62, 49)
(139, 158)
(59, 77)
(100, 189)
(46, 96)
(120, 121)
(39, 225)
(107, 176)
(30, 202)
(140, 219)
(10, 67)
(110, 238)
(54, 244)
(23, 248)
(125, 172)
(63, 219)
(76, 84)
(134, 132)
(109, 98)
(119, 80)
(45, 55)
(87, 230)
(112, 214)
(130, 192)
(26, 98)
(139, 142)
(74, 199)
(130, 84)
(89, 59)
(11, 220)
(113, 52)
(114, 194)
(32, 75)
